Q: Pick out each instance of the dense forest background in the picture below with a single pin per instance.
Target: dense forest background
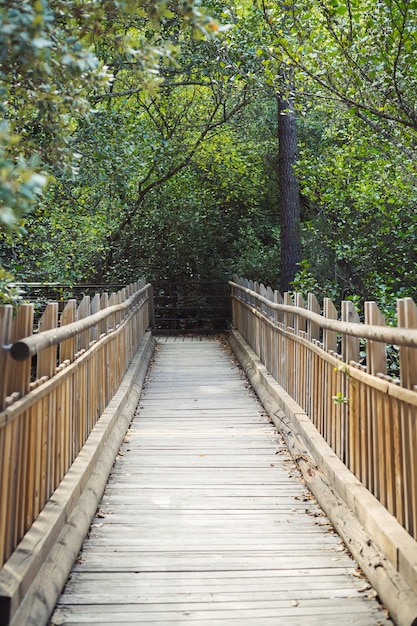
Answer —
(176, 140)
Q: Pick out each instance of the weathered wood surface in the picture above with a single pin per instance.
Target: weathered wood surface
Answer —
(205, 519)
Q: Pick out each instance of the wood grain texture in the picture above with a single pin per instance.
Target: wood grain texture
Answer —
(205, 518)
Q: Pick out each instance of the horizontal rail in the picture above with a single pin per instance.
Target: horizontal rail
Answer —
(50, 405)
(366, 416)
(384, 384)
(385, 334)
(29, 346)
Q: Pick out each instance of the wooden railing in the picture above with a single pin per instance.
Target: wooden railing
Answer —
(336, 371)
(54, 385)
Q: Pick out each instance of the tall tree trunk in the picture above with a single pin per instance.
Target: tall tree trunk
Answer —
(289, 194)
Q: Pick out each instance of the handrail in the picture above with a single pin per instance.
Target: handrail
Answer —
(50, 406)
(386, 334)
(366, 415)
(29, 346)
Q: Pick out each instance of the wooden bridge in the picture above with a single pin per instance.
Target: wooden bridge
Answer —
(216, 508)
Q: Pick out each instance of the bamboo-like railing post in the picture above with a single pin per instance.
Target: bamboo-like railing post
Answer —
(19, 386)
(383, 426)
(83, 311)
(67, 348)
(47, 359)
(19, 373)
(45, 420)
(151, 308)
(329, 336)
(6, 470)
(264, 348)
(278, 342)
(350, 353)
(95, 308)
(300, 324)
(313, 363)
(313, 329)
(407, 318)
(270, 331)
(5, 338)
(300, 363)
(350, 345)
(104, 303)
(376, 351)
(287, 356)
(328, 376)
(288, 317)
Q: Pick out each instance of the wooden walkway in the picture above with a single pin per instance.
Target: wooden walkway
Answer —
(205, 519)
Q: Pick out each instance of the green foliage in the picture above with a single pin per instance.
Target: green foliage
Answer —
(361, 221)
(128, 145)
(9, 293)
(50, 67)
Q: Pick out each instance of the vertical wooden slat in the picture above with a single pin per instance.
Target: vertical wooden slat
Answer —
(350, 352)
(376, 356)
(277, 299)
(378, 409)
(95, 308)
(350, 345)
(313, 335)
(398, 487)
(83, 311)
(328, 379)
(300, 326)
(46, 367)
(47, 359)
(20, 374)
(329, 336)
(104, 303)
(6, 471)
(67, 351)
(104, 328)
(67, 348)
(5, 330)
(407, 318)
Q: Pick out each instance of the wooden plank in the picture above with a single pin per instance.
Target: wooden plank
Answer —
(205, 518)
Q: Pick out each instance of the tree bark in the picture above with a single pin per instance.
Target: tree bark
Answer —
(289, 194)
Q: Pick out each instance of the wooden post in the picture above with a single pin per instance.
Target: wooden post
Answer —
(328, 375)
(350, 353)
(313, 334)
(47, 359)
(104, 303)
(5, 338)
(376, 351)
(378, 429)
(313, 329)
(278, 350)
(350, 345)
(329, 336)
(67, 348)
(407, 318)
(95, 308)
(6, 470)
(19, 383)
(83, 311)
(151, 307)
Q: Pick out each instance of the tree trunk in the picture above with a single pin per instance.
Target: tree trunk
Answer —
(289, 195)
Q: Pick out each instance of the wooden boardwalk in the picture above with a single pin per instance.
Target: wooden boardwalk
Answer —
(205, 519)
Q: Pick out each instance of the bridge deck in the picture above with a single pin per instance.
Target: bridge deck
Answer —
(205, 519)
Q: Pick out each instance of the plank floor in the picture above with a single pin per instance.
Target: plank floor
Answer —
(205, 519)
